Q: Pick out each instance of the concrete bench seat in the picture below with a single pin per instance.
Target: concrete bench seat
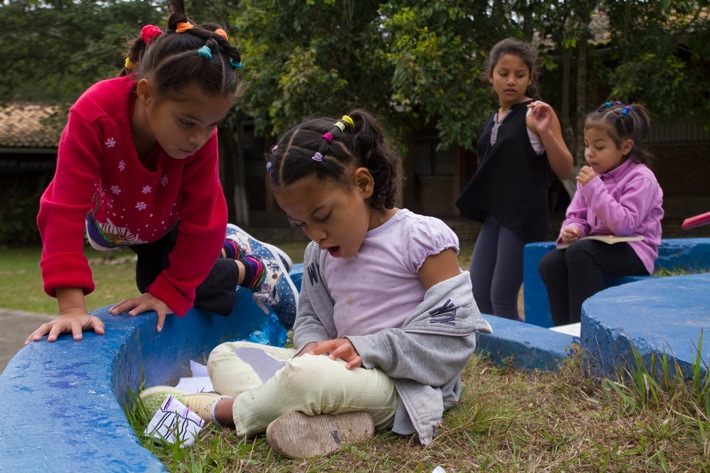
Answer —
(690, 254)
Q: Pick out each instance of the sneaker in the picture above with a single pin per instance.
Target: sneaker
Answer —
(297, 435)
(277, 291)
(199, 403)
(251, 246)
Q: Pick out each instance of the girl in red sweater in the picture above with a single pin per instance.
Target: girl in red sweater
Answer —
(138, 166)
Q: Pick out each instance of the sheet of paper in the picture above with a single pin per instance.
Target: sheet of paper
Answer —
(571, 329)
(175, 422)
(199, 384)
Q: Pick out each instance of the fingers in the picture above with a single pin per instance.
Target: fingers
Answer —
(161, 321)
(38, 334)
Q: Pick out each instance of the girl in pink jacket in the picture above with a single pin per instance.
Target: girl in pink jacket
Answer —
(617, 194)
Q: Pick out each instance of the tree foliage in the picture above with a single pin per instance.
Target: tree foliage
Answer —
(415, 63)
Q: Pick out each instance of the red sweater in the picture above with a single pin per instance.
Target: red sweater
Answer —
(99, 172)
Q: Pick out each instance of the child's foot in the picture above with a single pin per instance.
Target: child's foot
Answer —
(249, 245)
(276, 292)
(297, 435)
(201, 404)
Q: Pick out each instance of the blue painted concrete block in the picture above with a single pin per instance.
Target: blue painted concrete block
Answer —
(62, 401)
(656, 316)
(523, 345)
(691, 254)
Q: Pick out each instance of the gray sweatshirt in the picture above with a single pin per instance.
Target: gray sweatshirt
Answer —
(424, 358)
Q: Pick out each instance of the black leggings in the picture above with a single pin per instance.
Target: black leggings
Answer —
(574, 274)
(217, 293)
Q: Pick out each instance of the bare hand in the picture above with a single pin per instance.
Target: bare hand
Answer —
(569, 234)
(143, 303)
(585, 175)
(340, 348)
(73, 322)
(541, 114)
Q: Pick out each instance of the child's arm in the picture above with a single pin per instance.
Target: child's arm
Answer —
(73, 317)
(543, 121)
(624, 214)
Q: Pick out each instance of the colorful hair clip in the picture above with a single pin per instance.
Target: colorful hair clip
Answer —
(129, 64)
(348, 120)
(222, 33)
(268, 166)
(273, 150)
(340, 125)
(327, 137)
(182, 26)
(205, 52)
(149, 33)
(626, 110)
(607, 104)
(235, 64)
(317, 157)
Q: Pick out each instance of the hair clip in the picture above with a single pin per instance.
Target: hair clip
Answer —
(149, 33)
(348, 120)
(340, 125)
(626, 110)
(235, 64)
(317, 157)
(182, 26)
(222, 33)
(268, 166)
(205, 52)
(327, 137)
(273, 150)
(129, 64)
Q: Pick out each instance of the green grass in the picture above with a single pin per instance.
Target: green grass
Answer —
(507, 421)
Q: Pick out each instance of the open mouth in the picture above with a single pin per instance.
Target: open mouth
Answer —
(335, 251)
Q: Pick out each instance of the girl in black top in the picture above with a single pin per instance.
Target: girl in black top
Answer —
(521, 142)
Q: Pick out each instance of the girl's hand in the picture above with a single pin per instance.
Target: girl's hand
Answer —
(307, 349)
(72, 322)
(569, 234)
(585, 175)
(541, 114)
(340, 348)
(143, 303)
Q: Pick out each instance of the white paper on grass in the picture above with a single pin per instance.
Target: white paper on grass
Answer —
(174, 422)
(199, 382)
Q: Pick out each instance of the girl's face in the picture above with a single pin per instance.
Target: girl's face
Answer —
(601, 151)
(182, 123)
(510, 77)
(334, 217)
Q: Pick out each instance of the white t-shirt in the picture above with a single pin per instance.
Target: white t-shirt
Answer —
(379, 287)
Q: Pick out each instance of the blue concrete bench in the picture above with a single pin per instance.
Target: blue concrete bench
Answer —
(653, 317)
(62, 401)
(692, 254)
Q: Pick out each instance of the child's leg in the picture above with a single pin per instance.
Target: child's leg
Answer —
(316, 385)
(232, 375)
(508, 274)
(265, 271)
(553, 271)
(483, 262)
(589, 261)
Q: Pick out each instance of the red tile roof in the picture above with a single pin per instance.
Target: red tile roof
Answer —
(26, 125)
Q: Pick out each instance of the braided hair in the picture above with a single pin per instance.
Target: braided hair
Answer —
(330, 149)
(185, 54)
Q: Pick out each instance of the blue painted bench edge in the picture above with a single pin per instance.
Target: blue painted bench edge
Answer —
(674, 253)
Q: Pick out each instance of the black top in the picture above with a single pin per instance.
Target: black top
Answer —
(511, 182)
